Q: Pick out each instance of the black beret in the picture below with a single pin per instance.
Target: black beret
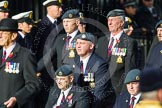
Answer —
(130, 3)
(159, 24)
(132, 76)
(151, 79)
(115, 12)
(64, 70)
(86, 36)
(73, 13)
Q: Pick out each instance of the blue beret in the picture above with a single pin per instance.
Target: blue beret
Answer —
(86, 36)
(64, 70)
(73, 13)
(159, 24)
(132, 76)
(115, 12)
(151, 79)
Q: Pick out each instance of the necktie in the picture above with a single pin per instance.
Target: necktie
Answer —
(132, 102)
(110, 47)
(4, 56)
(81, 67)
(63, 97)
(67, 42)
(55, 25)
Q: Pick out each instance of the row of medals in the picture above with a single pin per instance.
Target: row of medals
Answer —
(72, 50)
(12, 67)
(119, 52)
(89, 77)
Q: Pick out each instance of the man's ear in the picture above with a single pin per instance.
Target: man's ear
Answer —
(14, 36)
(78, 22)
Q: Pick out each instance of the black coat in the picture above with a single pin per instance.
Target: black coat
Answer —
(80, 98)
(118, 71)
(23, 85)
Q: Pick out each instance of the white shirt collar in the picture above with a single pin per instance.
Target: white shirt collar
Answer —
(21, 34)
(116, 36)
(66, 92)
(85, 61)
(9, 49)
(51, 19)
(137, 98)
(72, 35)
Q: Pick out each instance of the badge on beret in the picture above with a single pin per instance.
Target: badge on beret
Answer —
(70, 15)
(161, 51)
(83, 36)
(60, 73)
(160, 25)
(81, 15)
(31, 15)
(5, 5)
(137, 78)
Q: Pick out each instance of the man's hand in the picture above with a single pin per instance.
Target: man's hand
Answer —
(11, 102)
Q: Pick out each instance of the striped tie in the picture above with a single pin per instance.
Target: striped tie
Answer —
(110, 47)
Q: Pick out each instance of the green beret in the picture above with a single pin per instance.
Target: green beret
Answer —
(132, 76)
(86, 36)
(158, 25)
(64, 70)
(73, 13)
(151, 79)
(115, 12)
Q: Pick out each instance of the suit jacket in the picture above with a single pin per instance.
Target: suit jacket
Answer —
(118, 71)
(103, 93)
(123, 100)
(80, 98)
(23, 85)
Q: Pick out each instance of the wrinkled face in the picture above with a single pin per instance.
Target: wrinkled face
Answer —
(70, 25)
(3, 15)
(159, 34)
(54, 11)
(148, 3)
(7, 38)
(115, 24)
(133, 88)
(25, 27)
(84, 48)
(63, 82)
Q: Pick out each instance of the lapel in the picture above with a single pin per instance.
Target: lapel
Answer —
(1, 54)
(54, 96)
(91, 62)
(15, 52)
(76, 69)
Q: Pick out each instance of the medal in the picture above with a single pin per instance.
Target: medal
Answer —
(71, 53)
(92, 85)
(7, 67)
(119, 60)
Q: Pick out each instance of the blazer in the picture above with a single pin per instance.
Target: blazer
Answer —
(123, 100)
(118, 71)
(103, 93)
(80, 98)
(24, 84)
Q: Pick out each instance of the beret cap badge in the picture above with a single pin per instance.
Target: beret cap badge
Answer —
(5, 5)
(83, 36)
(137, 78)
(70, 15)
(60, 73)
(31, 15)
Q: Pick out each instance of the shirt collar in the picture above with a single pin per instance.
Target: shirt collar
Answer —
(9, 49)
(21, 34)
(116, 37)
(51, 19)
(137, 96)
(66, 92)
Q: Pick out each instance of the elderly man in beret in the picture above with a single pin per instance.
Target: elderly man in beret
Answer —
(25, 23)
(4, 11)
(132, 96)
(18, 80)
(119, 50)
(66, 95)
(91, 72)
(151, 88)
(154, 57)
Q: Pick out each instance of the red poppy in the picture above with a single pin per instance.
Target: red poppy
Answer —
(11, 55)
